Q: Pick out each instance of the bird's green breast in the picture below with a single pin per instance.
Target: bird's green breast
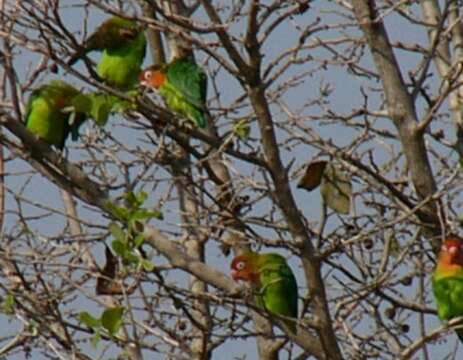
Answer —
(174, 98)
(177, 102)
(280, 297)
(278, 287)
(121, 67)
(46, 121)
(449, 296)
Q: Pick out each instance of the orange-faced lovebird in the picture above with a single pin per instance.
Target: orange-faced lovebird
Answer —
(123, 44)
(273, 281)
(447, 280)
(183, 86)
(46, 114)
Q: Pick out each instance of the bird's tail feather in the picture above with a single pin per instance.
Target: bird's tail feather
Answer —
(200, 120)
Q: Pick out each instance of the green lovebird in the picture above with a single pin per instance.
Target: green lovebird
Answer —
(45, 116)
(183, 86)
(273, 280)
(447, 280)
(123, 44)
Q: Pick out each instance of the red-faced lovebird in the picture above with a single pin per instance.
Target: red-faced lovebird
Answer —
(183, 86)
(273, 281)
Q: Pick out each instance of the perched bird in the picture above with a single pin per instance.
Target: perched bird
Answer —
(447, 280)
(273, 280)
(47, 116)
(183, 86)
(123, 44)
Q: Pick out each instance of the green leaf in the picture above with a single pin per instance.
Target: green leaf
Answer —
(117, 232)
(119, 212)
(82, 103)
(100, 113)
(147, 265)
(124, 251)
(112, 319)
(120, 248)
(139, 240)
(96, 339)
(157, 214)
(8, 304)
(122, 106)
(336, 189)
(141, 197)
(132, 200)
(145, 214)
(131, 258)
(242, 129)
(101, 107)
(89, 320)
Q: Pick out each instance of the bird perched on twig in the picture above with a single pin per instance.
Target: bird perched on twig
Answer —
(123, 44)
(447, 280)
(273, 281)
(183, 86)
(50, 114)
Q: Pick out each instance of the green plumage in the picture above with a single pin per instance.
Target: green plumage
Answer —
(185, 90)
(273, 282)
(45, 116)
(123, 44)
(277, 288)
(448, 291)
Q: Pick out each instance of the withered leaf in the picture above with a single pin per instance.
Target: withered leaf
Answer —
(107, 284)
(336, 189)
(313, 175)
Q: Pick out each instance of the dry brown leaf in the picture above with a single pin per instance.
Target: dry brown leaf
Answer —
(336, 189)
(313, 175)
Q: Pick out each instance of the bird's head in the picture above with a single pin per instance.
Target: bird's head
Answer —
(243, 267)
(153, 76)
(451, 251)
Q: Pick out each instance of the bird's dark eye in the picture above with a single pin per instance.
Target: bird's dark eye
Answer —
(240, 265)
(148, 75)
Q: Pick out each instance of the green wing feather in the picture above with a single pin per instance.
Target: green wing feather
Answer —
(123, 44)
(190, 80)
(449, 297)
(278, 286)
(121, 66)
(190, 83)
(448, 292)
